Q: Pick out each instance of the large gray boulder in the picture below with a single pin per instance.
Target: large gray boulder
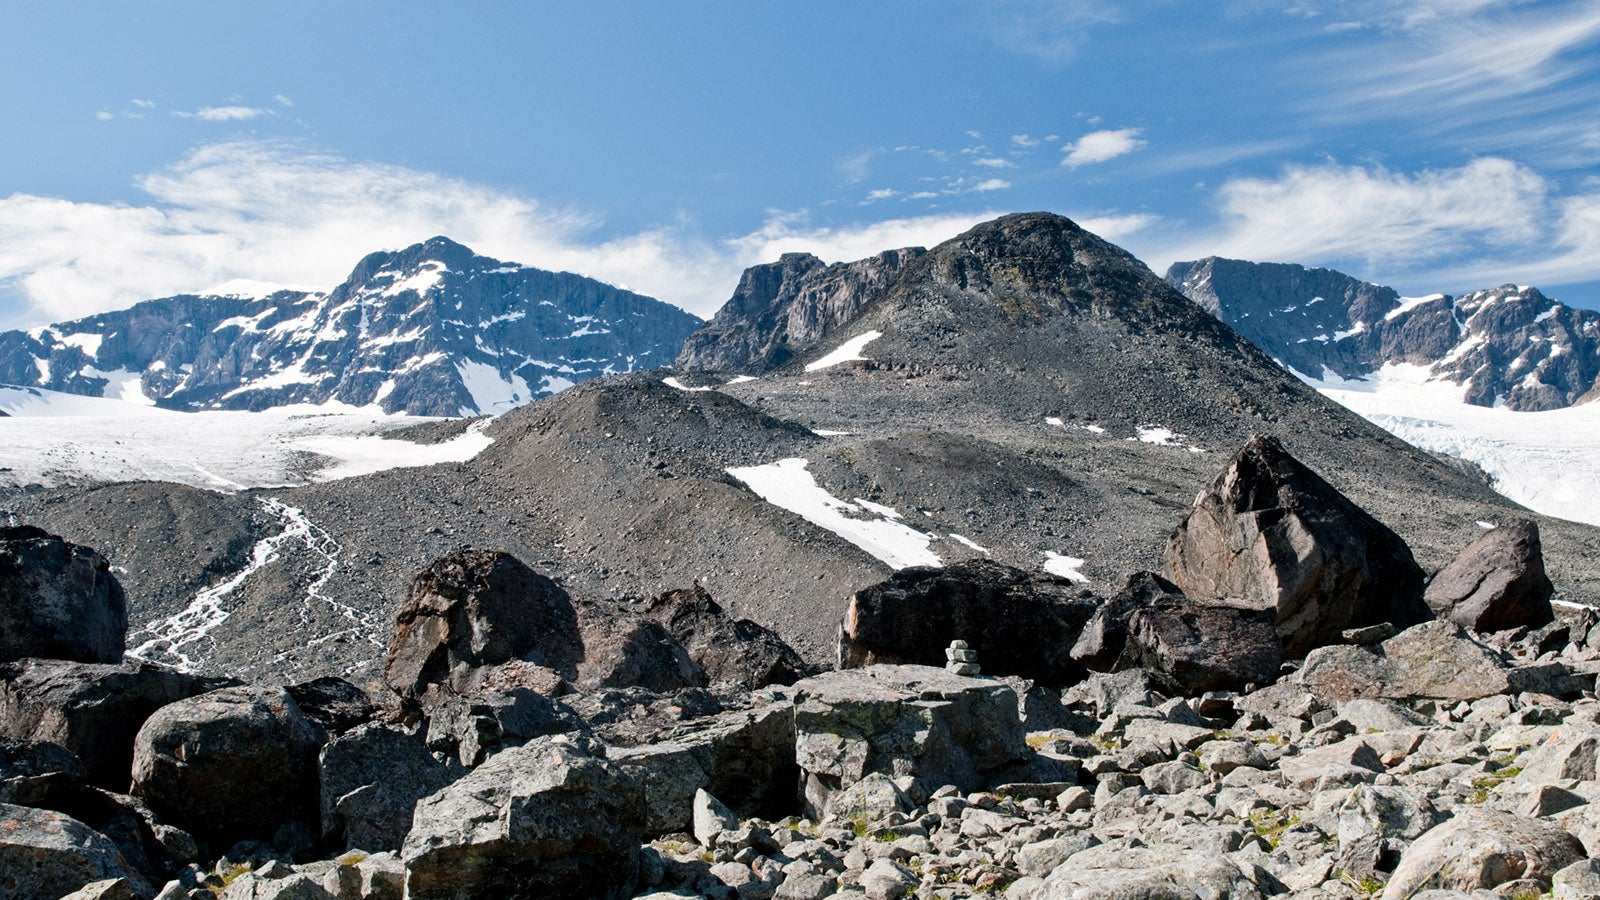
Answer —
(472, 728)
(1481, 847)
(94, 710)
(234, 764)
(472, 609)
(1019, 623)
(1434, 661)
(933, 726)
(547, 819)
(745, 758)
(48, 854)
(58, 600)
(370, 781)
(1112, 871)
(1497, 583)
(1272, 533)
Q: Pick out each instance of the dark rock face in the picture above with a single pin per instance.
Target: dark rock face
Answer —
(1270, 532)
(37, 773)
(231, 765)
(58, 600)
(1510, 345)
(371, 780)
(1019, 623)
(93, 710)
(477, 608)
(1497, 583)
(429, 330)
(1101, 642)
(1204, 646)
(548, 819)
(782, 309)
(622, 649)
(332, 704)
(473, 728)
(727, 650)
(47, 854)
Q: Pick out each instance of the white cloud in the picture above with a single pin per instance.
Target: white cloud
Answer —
(225, 113)
(1048, 29)
(992, 184)
(282, 100)
(143, 104)
(104, 116)
(881, 194)
(273, 211)
(1024, 142)
(1100, 146)
(994, 162)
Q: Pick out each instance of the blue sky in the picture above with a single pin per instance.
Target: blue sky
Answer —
(163, 147)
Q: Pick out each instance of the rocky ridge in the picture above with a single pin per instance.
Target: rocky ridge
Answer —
(1508, 346)
(433, 329)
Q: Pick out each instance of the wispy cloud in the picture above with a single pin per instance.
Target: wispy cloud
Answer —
(276, 211)
(1100, 146)
(282, 100)
(1051, 30)
(143, 104)
(992, 184)
(225, 113)
(994, 162)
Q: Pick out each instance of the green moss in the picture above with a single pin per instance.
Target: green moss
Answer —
(1269, 824)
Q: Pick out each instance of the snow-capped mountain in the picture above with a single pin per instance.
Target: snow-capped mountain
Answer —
(1509, 347)
(433, 329)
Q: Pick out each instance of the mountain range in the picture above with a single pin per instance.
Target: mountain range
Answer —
(1025, 392)
(433, 329)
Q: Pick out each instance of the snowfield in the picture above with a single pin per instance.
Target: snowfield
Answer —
(52, 438)
(1546, 461)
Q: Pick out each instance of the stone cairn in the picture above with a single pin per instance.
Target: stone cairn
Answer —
(961, 660)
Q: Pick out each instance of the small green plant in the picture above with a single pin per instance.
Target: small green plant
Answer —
(1366, 884)
(1269, 825)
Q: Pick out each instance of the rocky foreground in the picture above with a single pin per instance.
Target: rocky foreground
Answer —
(1291, 708)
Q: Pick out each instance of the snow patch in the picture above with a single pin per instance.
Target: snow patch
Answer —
(492, 392)
(787, 485)
(1407, 304)
(849, 351)
(424, 280)
(365, 454)
(88, 343)
(969, 543)
(672, 381)
(1067, 567)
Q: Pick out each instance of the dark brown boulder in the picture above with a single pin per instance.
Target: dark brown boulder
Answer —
(1497, 583)
(472, 609)
(1019, 623)
(94, 710)
(1273, 534)
(58, 600)
(728, 650)
(1204, 646)
(1099, 645)
(235, 764)
(333, 704)
(622, 649)
(38, 773)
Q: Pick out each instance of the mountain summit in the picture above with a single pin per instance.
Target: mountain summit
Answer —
(433, 329)
(1509, 346)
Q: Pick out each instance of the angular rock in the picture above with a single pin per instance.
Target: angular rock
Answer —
(58, 600)
(48, 854)
(1482, 847)
(547, 819)
(1571, 752)
(886, 879)
(744, 757)
(1579, 881)
(476, 608)
(1204, 646)
(1019, 623)
(234, 764)
(622, 649)
(1273, 533)
(916, 721)
(473, 728)
(294, 886)
(1114, 870)
(869, 800)
(1101, 641)
(109, 889)
(37, 773)
(94, 710)
(370, 781)
(1497, 583)
(1434, 660)
(333, 704)
(727, 650)
(711, 818)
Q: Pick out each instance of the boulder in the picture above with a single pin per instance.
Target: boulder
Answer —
(934, 726)
(547, 819)
(1273, 533)
(38, 773)
(48, 854)
(727, 650)
(234, 764)
(1100, 643)
(94, 710)
(1204, 647)
(333, 704)
(1118, 870)
(370, 781)
(1497, 583)
(1434, 661)
(476, 608)
(472, 728)
(58, 600)
(1019, 623)
(1481, 847)
(622, 649)
(743, 757)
